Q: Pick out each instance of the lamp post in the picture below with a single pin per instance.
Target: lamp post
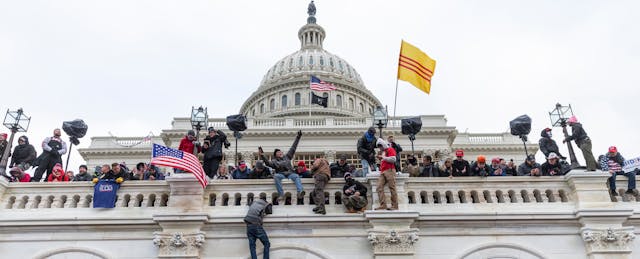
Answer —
(16, 121)
(559, 117)
(199, 118)
(380, 118)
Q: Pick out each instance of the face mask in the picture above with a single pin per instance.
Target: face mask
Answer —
(350, 181)
(549, 133)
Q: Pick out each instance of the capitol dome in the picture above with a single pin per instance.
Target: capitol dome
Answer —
(285, 91)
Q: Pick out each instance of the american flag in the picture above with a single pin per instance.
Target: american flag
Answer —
(165, 156)
(322, 86)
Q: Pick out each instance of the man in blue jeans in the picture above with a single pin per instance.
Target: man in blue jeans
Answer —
(255, 215)
(281, 164)
(613, 163)
(366, 150)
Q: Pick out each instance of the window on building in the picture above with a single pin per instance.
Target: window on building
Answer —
(272, 104)
(253, 112)
(361, 107)
(262, 108)
(284, 102)
(351, 104)
(300, 61)
(331, 62)
(296, 99)
(339, 100)
(321, 61)
(311, 60)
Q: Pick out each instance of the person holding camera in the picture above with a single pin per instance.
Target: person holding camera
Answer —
(281, 164)
(212, 150)
(53, 148)
(254, 220)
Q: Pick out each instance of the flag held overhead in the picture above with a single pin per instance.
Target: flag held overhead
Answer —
(415, 67)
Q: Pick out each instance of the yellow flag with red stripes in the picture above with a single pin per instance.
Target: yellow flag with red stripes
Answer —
(415, 67)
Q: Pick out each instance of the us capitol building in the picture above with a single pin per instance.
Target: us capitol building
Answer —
(571, 216)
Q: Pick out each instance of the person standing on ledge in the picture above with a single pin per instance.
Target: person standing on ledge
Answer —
(281, 163)
(52, 150)
(387, 175)
(583, 141)
(258, 209)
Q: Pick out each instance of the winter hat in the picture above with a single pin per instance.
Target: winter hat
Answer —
(382, 142)
(481, 159)
(371, 130)
(15, 169)
(347, 175)
(83, 166)
(552, 155)
(259, 164)
(531, 158)
(459, 152)
(343, 157)
(211, 129)
(301, 163)
(24, 138)
(495, 160)
(4, 135)
(242, 164)
(275, 151)
(573, 119)
(613, 149)
(191, 133)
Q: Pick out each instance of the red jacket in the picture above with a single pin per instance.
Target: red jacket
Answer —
(62, 178)
(186, 145)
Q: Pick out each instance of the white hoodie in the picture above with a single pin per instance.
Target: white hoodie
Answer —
(385, 145)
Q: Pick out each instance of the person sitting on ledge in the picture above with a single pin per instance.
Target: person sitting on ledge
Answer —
(529, 167)
(613, 163)
(552, 167)
(355, 195)
(281, 163)
(17, 175)
(242, 172)
(480, 167)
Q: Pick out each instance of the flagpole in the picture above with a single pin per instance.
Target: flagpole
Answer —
(310, 93)
(395, 100)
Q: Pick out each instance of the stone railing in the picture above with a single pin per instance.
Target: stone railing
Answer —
(80, 195)
(421, 192)
(326, 122)
(124, 142)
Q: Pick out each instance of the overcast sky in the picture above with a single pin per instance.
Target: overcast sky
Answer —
(129, 67)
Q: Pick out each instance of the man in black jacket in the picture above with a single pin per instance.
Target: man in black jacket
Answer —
(398, 149)
(583, 141)
(340, 168)
(552, 167)
(258, 209)
(355, 195)
(366, 151)
(53, 148)
(212, 150)
(23, 154)
(82, 175)
(547, 144)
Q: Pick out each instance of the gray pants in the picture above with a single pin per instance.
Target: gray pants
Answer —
(585, 146)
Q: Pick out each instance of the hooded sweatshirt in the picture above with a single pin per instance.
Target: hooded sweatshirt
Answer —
(388, 156)
(23, 153)
(547, 144)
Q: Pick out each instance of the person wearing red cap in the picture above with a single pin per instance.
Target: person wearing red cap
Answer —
(496, 168)
(460, 166)
(582, 140)
(242, 172)
(302, 170)
(613, 163)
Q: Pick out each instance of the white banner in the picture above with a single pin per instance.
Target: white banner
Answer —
(631, 164)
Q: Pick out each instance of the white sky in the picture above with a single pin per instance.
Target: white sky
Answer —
(129, 67)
